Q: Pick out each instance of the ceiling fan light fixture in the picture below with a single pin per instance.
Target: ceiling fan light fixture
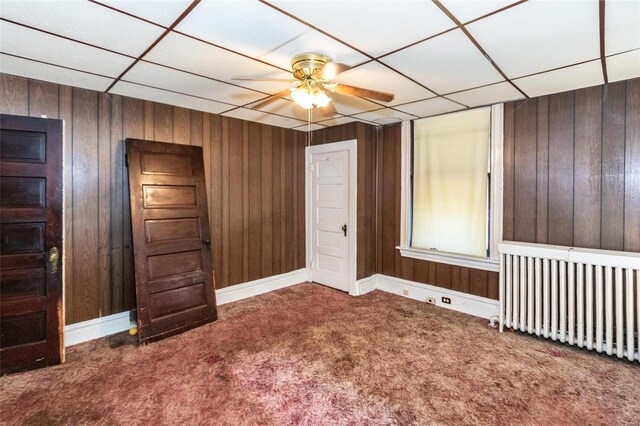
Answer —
(309, 98)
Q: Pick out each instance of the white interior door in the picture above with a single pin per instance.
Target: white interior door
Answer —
(330, 235)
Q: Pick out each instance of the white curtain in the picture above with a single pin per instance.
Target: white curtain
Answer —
(450, 166)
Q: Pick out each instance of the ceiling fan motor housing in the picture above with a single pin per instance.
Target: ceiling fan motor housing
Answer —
(307, 65)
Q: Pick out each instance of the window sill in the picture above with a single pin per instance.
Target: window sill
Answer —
(451, 258)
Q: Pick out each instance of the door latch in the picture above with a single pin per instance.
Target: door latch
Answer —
(344, 229)
(54, 256)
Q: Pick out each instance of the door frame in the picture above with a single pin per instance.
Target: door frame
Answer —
(352, 147)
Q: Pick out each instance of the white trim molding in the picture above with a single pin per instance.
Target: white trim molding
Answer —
(352, 147)
(461, 302)
(495, 201)
(451, 258)
(96, 328)
(105, 326)
(263, 285)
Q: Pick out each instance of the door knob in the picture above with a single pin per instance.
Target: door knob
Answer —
(206, 240)
(53, 257)
(344, 229)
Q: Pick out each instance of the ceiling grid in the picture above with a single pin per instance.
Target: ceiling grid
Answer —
(436, 57)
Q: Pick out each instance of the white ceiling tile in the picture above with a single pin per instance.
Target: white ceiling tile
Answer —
(151, 94)
(624, 66)
(378, 77)
(337, 121)
(447, 63)
(467, 10)
(32, 44)
(248, 27)
(375, 27)
(263, 117)
(314, 126)
(189, 84)
(188, 54)
(85, 21)
(622, 26)
(384, 116)
(487, 95)
(562, 80)
(349, 105)
(430, 107)
(163, 12)
(39, 71)
(313, 41)
(540, 35)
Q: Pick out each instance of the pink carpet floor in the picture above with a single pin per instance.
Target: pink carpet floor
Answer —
(309, 355)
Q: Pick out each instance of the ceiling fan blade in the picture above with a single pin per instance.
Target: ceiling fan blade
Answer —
(272, 98)
(263, 79)
(345, 89)
(331, 69)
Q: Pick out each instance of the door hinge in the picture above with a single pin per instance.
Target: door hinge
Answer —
(311, 167)
(311, 263)
(126, 160)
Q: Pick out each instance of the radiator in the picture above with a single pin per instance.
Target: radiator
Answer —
(583, 297)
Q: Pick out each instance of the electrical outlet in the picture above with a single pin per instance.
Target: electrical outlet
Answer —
(405, 291)
(431, 300)
(446, 300)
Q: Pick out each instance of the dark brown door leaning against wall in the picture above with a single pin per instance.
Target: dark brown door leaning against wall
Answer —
(171, 239)
(30, 243)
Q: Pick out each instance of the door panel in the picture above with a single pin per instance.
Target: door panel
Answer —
(171, 239)
(30, 230)
(330, 212)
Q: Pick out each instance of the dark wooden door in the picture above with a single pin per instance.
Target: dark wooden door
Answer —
(171, 239)
(30, 243)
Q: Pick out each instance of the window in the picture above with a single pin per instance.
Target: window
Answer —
(451, 195)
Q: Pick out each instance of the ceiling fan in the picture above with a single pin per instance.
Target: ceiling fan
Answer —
(314, 74)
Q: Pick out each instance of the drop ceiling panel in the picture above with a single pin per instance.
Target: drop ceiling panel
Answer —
(467, 10)
(352, 105)
(430, 107)
(32, 44)
(306, 128)
(575, 77)
(248, 27)
(501, 92)
(162, 12)
(378, 77)
(188, 54)
(538, 36)
(624, 66)
(336, 121)
(447, 63)
(376, 27)
(85, 21)
(162, 96)
(263, 117)
(313, 41)
(39, 71)
(622, 26)
(189, 84)
(384, 116)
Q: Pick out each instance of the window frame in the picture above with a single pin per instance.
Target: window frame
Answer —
(495, 189)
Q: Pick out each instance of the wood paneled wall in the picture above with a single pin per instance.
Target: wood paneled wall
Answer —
(254, 180)
(572, 168)
(389, 262)
(367, 140)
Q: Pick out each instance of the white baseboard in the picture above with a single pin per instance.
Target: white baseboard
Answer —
(365, 285)
(105, 326)
(461, 302)
(96, 328)
(263, 285)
